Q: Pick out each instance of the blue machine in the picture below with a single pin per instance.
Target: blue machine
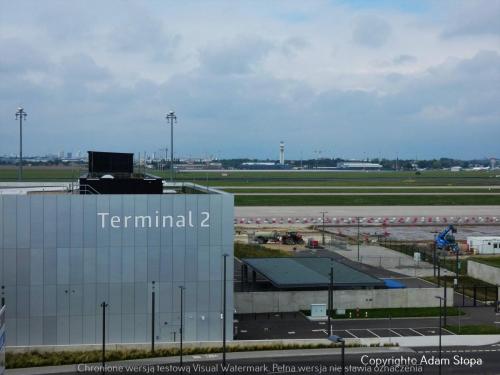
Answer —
(446, 240)
(393, 284)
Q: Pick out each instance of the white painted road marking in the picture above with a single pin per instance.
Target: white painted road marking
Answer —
(373, 333)
(444, 329)
(352, 334)
(418, 333)
(319, 330)
(395, 332)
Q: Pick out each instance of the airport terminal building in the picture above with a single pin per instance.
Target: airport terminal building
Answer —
(62, 254)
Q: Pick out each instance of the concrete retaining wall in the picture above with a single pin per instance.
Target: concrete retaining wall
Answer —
(262, 302)
(483, 272)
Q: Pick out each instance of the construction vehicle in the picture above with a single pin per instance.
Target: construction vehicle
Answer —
(292, 238)
(445, 240)
(265, 237)
(288, 238)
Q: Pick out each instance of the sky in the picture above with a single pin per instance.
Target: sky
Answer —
(351, 79)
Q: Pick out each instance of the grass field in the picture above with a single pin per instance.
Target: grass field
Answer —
(404, 312)
(311, 178)
(484, 329)
(365, 200)
(285, 178)
(490, 261)
(315, 190)
(37, 358)
(242, 250)
(49, 174)
(454, 182)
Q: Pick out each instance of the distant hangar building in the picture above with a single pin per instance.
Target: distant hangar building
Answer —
(359, 166)
(113, 239)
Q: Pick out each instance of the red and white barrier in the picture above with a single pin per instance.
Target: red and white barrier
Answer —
(371, 221)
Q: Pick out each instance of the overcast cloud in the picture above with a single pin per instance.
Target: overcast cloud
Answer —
(350, 78)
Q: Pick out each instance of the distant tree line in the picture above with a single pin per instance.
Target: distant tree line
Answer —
(395, 164)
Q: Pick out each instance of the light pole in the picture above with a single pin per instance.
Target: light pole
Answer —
(323, 231)
(357, 219)
(224, 314)
(20, 114)
(181, 329)
(434, 256)
(330, 298)
(440, 330)
(171, 117)
(336, 339)
(153, 318)
(104, 305)
(445, 307)
(497, 310)
(439, 271)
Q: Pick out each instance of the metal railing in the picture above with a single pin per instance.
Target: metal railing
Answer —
(86, 189)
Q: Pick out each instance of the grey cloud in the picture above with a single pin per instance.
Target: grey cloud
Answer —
(82, 68)
(474, 18)
(294, 44)
(460, 89)
(453, 101)
(404, 59)
(222, 106)
(144, 34)
(67, 21)
(237, 56)
(18, 57)
(371, 31)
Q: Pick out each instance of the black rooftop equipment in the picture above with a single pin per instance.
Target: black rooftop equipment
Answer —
(113, 173)
(114, 163)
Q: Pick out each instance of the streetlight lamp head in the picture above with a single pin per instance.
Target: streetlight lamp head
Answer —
(20, 109)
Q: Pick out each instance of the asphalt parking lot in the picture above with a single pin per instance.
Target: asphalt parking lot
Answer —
(295, 325)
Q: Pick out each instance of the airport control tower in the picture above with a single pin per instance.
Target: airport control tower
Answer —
(282, 153)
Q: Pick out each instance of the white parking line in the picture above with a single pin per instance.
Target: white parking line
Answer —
(418, 333)
(291, 333)
(373, 333)
(444, 329)
(395, 332)
(243, 331)
(319, 330)
(352, 334)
